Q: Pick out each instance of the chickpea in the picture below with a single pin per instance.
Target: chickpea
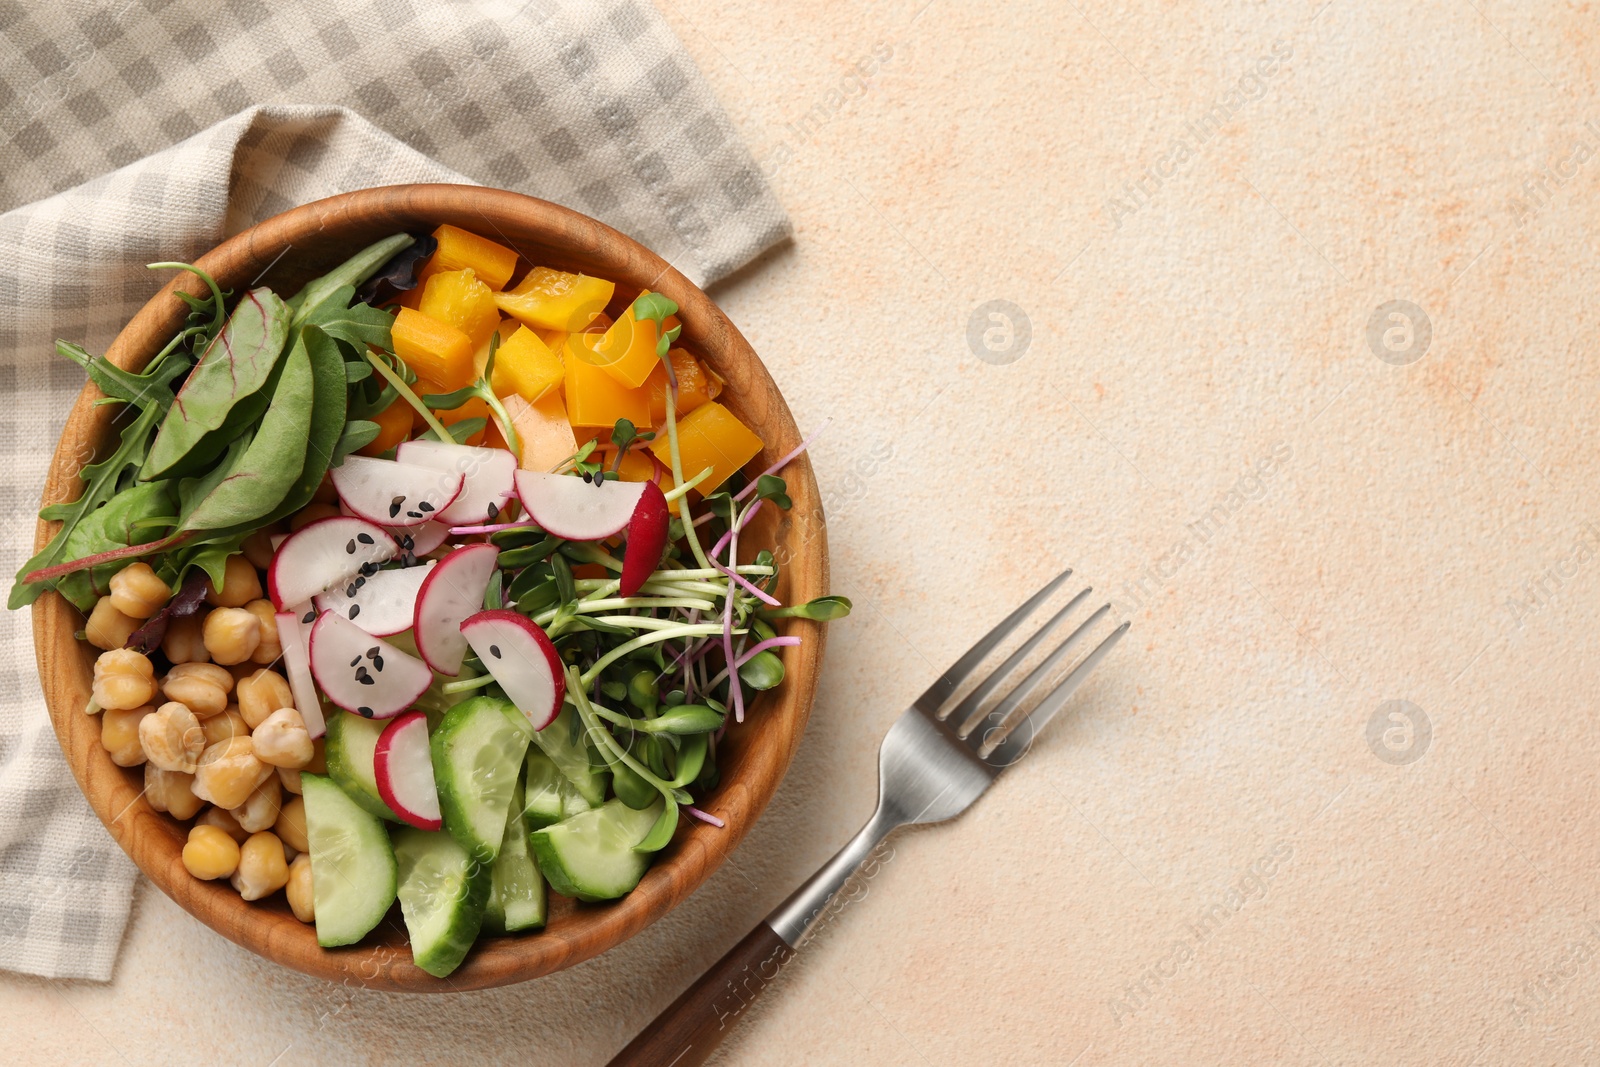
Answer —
(291, 825)
(228, 772)
(231, 635)
(210, 853)
(123, 679)
(290, 777)
(171, 792)
(172, 738)
(223, 820)
(269, 650)
(221, 727)
(257, 549)
(309, 514)
(137, 592)
(184, 642)
(260, 809)
(240, 585)
(302, 901)
(282, 740)
(107, 627)
(202, 687)
(119, 734)
(263, 693)
(262, 867)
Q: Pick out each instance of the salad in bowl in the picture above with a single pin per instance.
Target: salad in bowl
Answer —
(436, 581)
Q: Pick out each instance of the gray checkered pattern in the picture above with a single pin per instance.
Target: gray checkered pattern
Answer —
(115, 122)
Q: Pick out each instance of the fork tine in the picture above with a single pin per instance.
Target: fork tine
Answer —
(1024, 689)
(950, 680)
(974, 700)
(1037, 719)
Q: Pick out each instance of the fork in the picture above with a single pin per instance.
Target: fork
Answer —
(932, 765)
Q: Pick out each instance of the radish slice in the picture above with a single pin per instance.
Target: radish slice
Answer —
(297, 664)
(487, 473)
(647, 536)
(575, 509)
(419, 540)
(423, 539)
(519, 655)
(449, 595)
(362, 673)
(382, 604)
(394, 494)
(403, 767)
(324, 554)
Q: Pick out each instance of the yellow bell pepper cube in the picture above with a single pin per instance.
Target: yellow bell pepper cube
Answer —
(525, 366)
(594, 398)
(555, 300)
(394, 426)
(480, 355)
(459, 249)
(542, 427)
(637, 467)
(627, 351)
(438, 352)
(459, 298)
(709, 436)
(696, 385)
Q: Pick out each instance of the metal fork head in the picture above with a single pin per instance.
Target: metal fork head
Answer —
(937, 759)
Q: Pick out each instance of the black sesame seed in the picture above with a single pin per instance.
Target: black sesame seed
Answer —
(365, 539)
(494, 512)
(356, 662)
(408, 542)
(350, 547)
(364, 712)
(377, 664)
(372, 653)
(425, 506)
(394, 507)
(310, 616)
(494, 650)
(355, 609)
(415, 515)
(350, 590)
(359, 582)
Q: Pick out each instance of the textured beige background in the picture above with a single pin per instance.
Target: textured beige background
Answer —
(1436, 911)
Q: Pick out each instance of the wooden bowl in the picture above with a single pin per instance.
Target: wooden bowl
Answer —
(283, 252)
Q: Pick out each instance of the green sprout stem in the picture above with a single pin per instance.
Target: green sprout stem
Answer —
(410, 397)
(699, 629)
(679, 490)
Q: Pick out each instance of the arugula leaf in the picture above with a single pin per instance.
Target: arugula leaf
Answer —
(352, 272)
(140, 390)
(235, 365)
(359, 326)
(357, 434)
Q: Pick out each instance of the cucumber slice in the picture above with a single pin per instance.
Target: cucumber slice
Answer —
(551, 796)
(443, 892)
(477, 761)
(351, 742)
(569, 751)
(590, 856)
(353, 873)
(516, 891)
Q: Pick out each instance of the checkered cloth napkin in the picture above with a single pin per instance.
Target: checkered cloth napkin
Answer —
(144, 130)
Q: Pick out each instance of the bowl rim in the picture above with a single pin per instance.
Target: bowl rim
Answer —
(761, 751)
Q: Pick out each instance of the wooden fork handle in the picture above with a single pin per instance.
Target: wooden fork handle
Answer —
(692, 1027)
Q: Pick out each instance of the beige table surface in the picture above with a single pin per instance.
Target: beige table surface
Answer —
(1206, 861)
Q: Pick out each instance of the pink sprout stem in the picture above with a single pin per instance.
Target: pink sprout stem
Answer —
(704, 816)
(771, 642)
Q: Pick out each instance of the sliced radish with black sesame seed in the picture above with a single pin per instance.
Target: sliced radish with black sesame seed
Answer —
(576, 509)
(519, 655)
(487, 472)
(324, 555)
(381, 602)
(362, 673)
(391, 493)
